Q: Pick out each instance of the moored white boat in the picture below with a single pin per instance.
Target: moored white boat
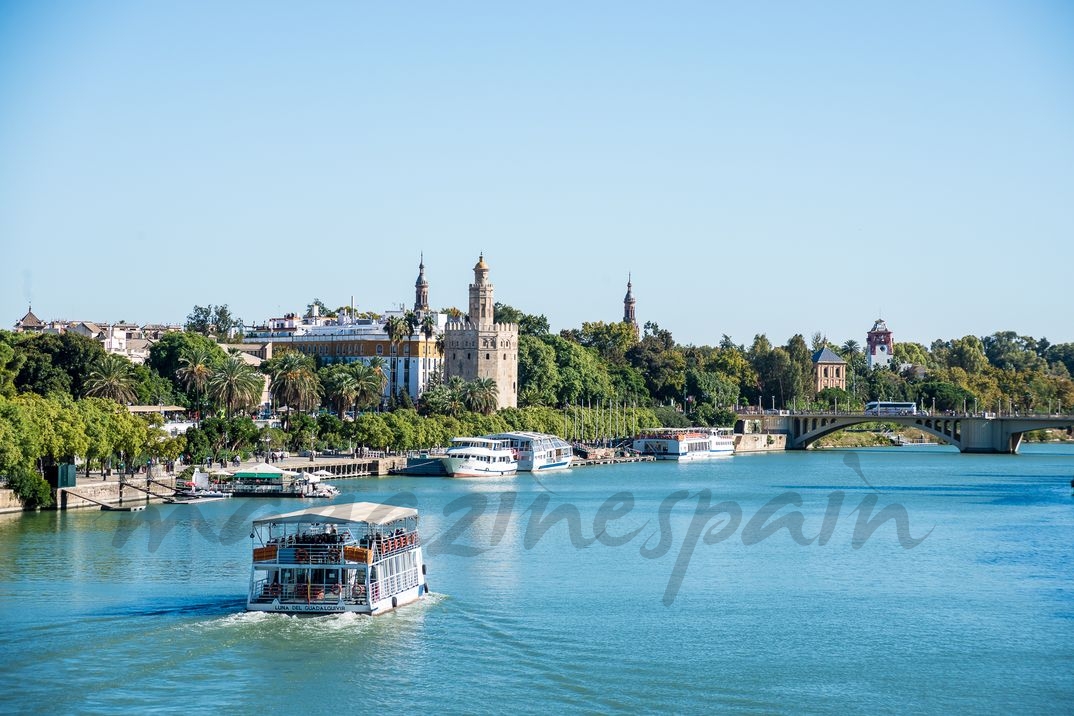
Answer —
(197, 491)
(684, 444)
(310, 485)
(361, 557)
(538, 452)
(479, 457)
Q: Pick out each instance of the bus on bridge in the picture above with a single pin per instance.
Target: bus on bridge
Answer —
(884, 407)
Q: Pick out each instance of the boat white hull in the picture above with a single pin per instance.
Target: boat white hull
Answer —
(341, 606)
(459, 467)
(528, 466)
(692, 456)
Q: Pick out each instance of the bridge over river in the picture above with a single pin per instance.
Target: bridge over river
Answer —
(969, 433)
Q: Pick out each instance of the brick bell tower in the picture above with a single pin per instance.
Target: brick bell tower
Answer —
(880, 344)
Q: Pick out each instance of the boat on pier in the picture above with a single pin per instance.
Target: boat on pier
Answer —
(361, 557)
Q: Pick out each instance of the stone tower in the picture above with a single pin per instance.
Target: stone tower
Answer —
(880, 345)
(628, 306)
(421, 289)
(477, 347)
(481, 303)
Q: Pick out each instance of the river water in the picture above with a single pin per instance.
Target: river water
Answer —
(900, 580)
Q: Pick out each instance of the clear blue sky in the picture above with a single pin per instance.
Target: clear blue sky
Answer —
(758, 167)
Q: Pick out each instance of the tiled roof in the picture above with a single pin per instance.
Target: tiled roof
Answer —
(826, 355)
(30, 320)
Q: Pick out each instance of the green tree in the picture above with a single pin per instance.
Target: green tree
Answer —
(56, 363)
(235, 384)
(397, 329)
(480, 396)
(112, 377)
(801, 379)
(10, 364)
(538, 375)
(662, 363)
(528, 325)
(611, 341)
(340, 386)
(294, 381)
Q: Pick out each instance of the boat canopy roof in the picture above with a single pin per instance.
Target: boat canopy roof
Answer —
(479, 442)
(373, 513)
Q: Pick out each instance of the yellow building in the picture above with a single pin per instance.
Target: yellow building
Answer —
(829, 370)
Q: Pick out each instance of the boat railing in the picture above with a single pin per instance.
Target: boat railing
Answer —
(365, 552)
(306, 554)
(395, 583)
(387, 545)
(309, 592)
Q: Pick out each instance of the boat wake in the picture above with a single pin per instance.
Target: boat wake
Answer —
(270, 624)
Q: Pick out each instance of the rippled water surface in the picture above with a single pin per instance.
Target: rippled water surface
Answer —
(901, 580)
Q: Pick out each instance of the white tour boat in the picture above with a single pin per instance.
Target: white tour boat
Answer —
(685, 443)
(310, 485)
(538, 452)
(479, 457)
(360, 557)
(198, 490)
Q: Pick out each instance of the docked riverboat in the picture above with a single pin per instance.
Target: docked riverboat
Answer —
(361, 557)
(196, 491)
(685, 444)
(538, 452)
(479, 457)
(264, 480)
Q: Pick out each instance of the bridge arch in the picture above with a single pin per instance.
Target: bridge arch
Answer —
(806, 430)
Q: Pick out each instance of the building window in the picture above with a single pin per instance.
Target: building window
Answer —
(380, 350)
(488, 356)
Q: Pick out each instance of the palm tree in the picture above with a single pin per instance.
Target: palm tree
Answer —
(112, 377)
(379, 366)
(294, 381)
(428, 325)
(340, 387)
(369, 385)
(850, 348)
(412, 322)
(480, 395)
(397, 329)
(236, 384)
(195, 367)
(455, 388)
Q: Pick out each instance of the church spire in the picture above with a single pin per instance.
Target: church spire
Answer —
(628, 305)
(421, 287)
